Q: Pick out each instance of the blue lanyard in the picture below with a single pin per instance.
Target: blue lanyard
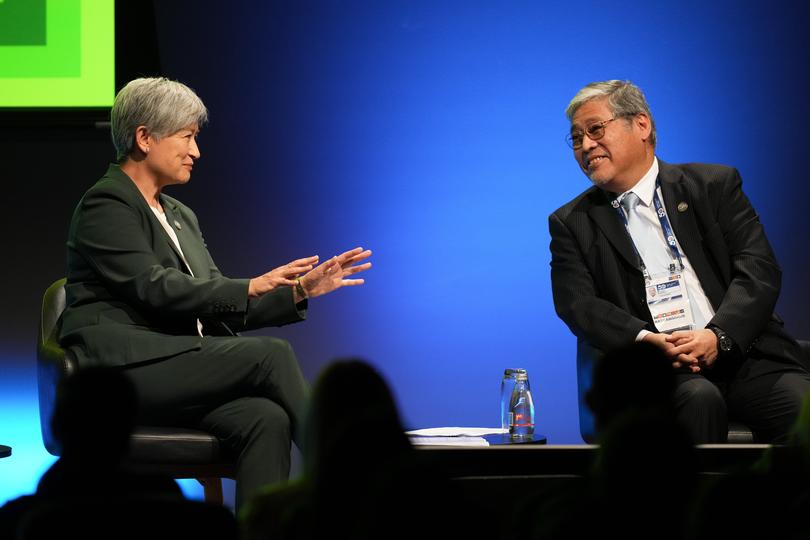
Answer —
(669, 235)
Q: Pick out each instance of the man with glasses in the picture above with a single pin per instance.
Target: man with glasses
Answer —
(674, 255)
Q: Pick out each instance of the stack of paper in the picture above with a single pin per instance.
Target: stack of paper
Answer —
(451, 436)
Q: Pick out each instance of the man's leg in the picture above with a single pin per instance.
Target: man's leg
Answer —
(700, 408)
(767, 396)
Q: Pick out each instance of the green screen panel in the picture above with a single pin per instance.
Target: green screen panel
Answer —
(75, 67)
(22, 22)
(58, 56)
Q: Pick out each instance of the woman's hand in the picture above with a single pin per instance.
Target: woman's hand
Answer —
(281, 276)
(332, 274)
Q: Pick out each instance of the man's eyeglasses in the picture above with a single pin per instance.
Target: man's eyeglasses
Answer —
(595, 132)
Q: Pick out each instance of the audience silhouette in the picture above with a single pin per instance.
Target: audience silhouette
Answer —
(645, 456)
(645, 466)
(90, 492)
(769, 500)
(93, 419)
(644, 476)
(631, 379)
(362, 478)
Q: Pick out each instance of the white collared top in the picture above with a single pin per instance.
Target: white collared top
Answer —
(173, 235)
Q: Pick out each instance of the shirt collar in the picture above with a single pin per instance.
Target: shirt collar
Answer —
(645, 188)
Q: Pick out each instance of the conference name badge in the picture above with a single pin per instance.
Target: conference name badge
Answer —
(669, 303)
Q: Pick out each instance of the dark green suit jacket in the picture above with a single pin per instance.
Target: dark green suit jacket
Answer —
(130, 297)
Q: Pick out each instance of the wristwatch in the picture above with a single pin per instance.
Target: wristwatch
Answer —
(724, 342)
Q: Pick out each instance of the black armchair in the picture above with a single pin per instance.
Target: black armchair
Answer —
(170, 451)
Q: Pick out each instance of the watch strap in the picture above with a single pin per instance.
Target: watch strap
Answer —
(724, 342)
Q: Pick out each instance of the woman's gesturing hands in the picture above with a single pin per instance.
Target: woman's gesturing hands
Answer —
(332, 274)
(313, 280)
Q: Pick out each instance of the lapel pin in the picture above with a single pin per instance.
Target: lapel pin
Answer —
(177, 223)
(682, 206)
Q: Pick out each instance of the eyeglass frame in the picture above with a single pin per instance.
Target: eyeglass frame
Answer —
(600, 127)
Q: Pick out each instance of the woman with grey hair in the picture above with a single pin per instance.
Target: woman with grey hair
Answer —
(144, 295)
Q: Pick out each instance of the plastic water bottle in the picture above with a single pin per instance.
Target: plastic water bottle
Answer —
(521, 407)
(507, 386)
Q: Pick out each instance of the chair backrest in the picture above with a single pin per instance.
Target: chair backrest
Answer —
(586, 357)
(53, 362)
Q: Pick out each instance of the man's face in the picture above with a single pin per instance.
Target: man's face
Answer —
(618, 159)
(172, 157)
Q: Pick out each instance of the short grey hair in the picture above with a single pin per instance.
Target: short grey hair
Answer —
(162, 105)
(624, 98)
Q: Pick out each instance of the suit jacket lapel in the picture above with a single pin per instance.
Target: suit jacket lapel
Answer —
(681, 213)
(194, 255)
(114, 171)
(606, 218)
(680, 210)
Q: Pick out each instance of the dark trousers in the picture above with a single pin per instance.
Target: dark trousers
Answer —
(764, 394)
(247, 391)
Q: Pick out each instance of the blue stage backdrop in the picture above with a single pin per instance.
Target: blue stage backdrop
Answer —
(433, 133)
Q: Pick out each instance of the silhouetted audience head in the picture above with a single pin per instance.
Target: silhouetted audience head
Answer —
(93, 419)
(91, 491)
(353, 423)
(94, 414)
(638, 377)
(362, 478)
(646, 446)
(646, 460)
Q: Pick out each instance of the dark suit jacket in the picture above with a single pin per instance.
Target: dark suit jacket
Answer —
(599, 288)
(130, 297)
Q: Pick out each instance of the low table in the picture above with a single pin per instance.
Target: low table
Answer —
(534, 460)
(500, 478)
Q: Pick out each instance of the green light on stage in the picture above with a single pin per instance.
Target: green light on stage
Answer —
(57, 53)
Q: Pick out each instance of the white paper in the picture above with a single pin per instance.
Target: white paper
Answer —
(455, 432)
(448, 441)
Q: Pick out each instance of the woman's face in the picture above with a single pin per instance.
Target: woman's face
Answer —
(172, 157)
